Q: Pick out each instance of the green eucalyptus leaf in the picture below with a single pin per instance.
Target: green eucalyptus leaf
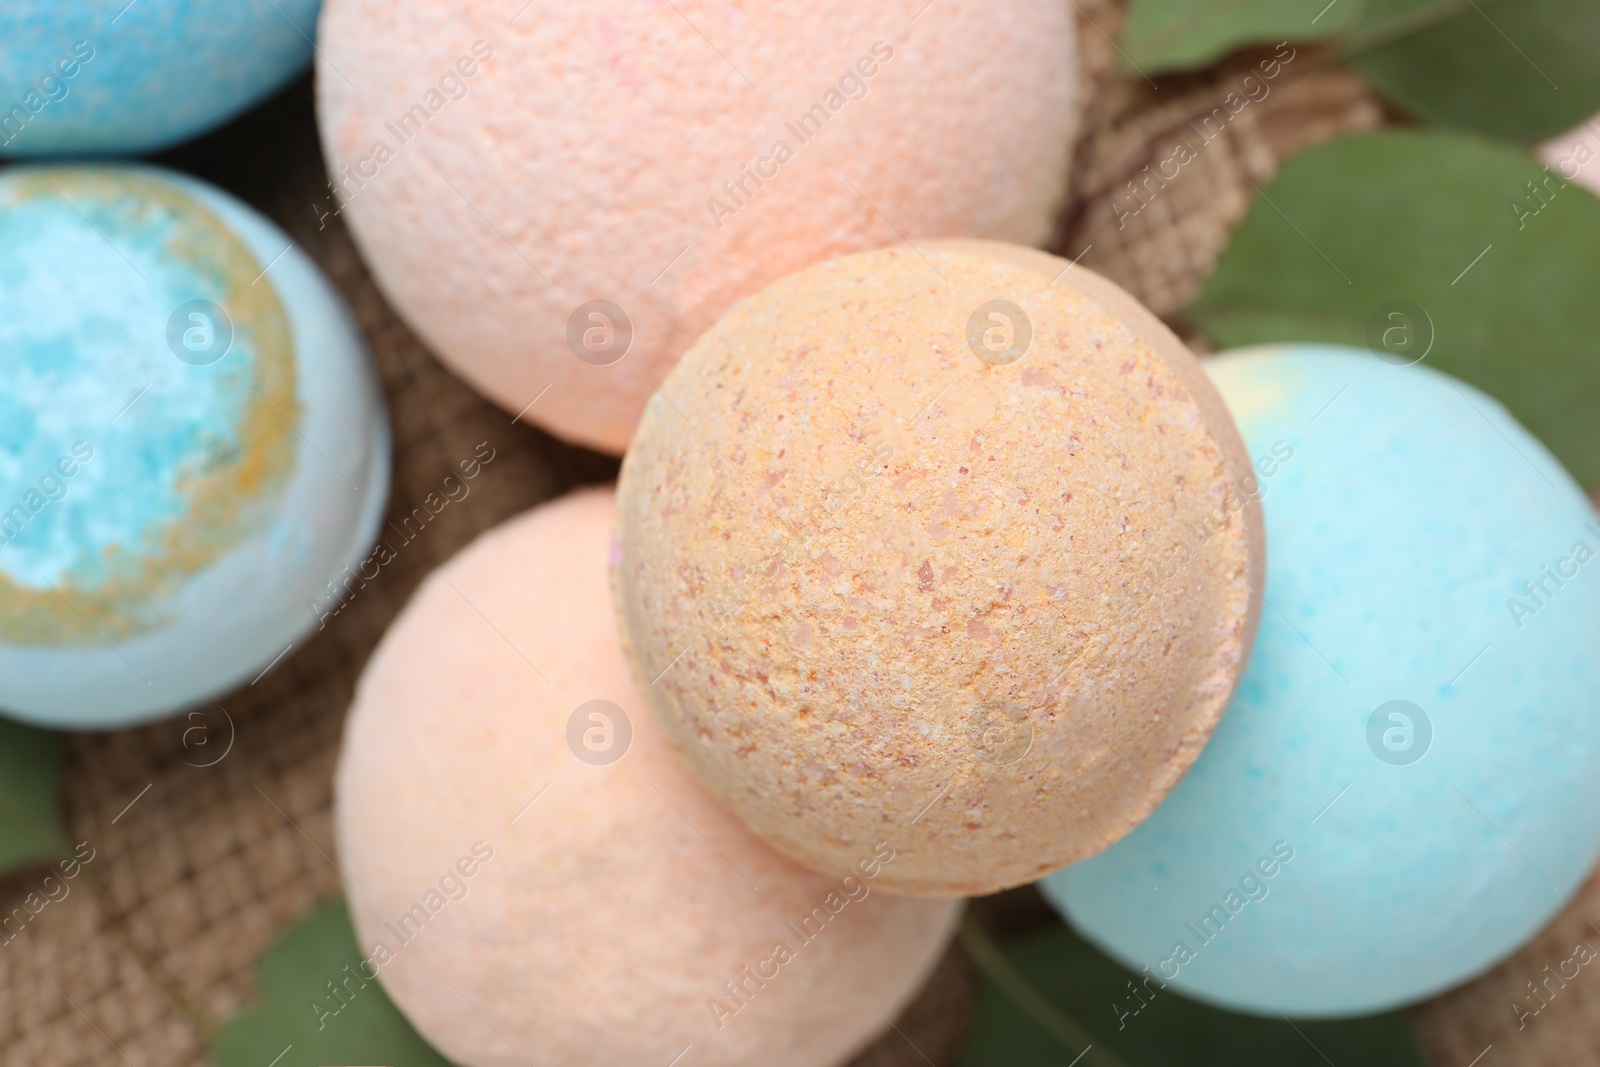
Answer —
(318, 1007)
(1524, 70)
(1169, 35)
(31, 826)
(1446, 246)
(1132, 1021)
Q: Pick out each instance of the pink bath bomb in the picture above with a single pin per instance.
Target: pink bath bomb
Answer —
(1575, 155)
(561, 199)
(536, 878)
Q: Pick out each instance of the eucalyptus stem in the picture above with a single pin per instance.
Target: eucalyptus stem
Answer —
(993, 963)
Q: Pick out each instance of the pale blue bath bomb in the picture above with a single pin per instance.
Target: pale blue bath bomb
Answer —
(103, 77)
(1332, 852)
(192, 444)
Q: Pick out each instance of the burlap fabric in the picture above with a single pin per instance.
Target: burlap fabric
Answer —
(201, 860)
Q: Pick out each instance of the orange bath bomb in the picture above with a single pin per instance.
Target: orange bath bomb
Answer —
(564, 197)
(955, 548)
(536, 878)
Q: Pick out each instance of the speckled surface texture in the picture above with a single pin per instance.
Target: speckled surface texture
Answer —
(154, 948)
(84, 323)
(882, 589)
(1409, 846)
(581, 155)
(134, 76)
(620, 898)
(185, 405)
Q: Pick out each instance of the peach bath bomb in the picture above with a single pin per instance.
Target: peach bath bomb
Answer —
(564, 198)
(952, 547)
(542, 882)
(1573, 157)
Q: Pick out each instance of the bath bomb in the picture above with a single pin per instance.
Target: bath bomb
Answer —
(192, 444)
(134, 77)
(1407, 785)
(1573, 157)
(535, 877)
(561, 199)
(949, 546)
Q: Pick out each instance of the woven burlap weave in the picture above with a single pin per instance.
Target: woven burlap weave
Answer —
(197, 869)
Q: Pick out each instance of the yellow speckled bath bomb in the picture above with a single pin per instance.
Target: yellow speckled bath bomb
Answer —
(564, 197)
(955, 548)
(536, 878)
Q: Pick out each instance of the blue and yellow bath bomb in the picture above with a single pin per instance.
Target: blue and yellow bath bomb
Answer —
(192, 444)
(1406, 785)
(125, 77)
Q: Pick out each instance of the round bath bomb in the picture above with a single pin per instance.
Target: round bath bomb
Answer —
(564, 198)
(1407, 785)
(540, 877)
(192, 444)
(1575, 156)
(108, 79)
(953, 548)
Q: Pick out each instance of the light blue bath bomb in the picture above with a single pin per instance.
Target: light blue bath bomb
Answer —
(108, 77)
(1407, 784)
(192, 444)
